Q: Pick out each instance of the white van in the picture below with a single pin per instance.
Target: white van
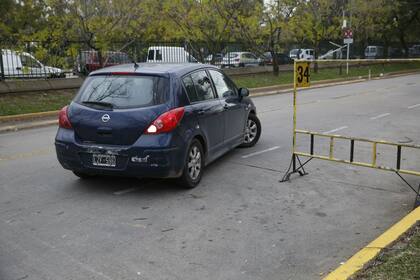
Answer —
(24, 65)
(169, 55)
(372, 52)
(305, 54)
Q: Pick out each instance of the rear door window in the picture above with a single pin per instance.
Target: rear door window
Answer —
(202, 85)
(124, 92)
(190, 89)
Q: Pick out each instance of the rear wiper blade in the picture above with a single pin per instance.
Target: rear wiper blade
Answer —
(99, 103)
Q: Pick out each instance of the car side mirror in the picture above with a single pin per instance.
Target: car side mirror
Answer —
(243, 92)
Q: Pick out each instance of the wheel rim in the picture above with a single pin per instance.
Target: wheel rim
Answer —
(250, 131)
(194, 162)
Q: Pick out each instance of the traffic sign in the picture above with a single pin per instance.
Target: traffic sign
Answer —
(302, 74)
(348, 33)
(348, 40)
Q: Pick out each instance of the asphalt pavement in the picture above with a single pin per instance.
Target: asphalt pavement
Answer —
(239, 223)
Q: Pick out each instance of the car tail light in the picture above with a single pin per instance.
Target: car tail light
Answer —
(63, 118)
(166, 122)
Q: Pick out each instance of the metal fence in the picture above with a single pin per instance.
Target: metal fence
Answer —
(28, 60)
(47, 60)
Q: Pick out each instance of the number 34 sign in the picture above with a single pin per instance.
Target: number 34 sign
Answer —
(302, 74)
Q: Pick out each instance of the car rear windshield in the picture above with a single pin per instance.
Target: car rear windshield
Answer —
(123, 92)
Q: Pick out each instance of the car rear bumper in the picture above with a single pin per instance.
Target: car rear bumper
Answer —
(131, 161)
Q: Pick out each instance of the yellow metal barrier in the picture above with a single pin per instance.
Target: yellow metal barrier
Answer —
(301, 78)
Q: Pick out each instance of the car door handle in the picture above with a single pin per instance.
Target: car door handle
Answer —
(200, 112)
(18, 68)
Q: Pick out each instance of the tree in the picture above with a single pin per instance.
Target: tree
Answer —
(96, 24)
(317, 21)
(20, 19)
(209, 22)
(405, 18)
(276, 17)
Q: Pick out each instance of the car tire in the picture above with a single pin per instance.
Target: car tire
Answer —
(82, 175)
(193, 166)
(252, 131)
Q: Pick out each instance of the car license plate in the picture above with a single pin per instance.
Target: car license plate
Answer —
(104, 160)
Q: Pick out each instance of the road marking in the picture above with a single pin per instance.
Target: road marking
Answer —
(126, 191)
(380, 116)
(261, 152)
(413, 106)
(368, 253)
(336, 129)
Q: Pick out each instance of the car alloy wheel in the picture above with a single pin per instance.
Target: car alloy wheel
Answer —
(194, 163)
(193, 166)
(251, 131)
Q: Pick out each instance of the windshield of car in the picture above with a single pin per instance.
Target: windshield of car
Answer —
(123, 92)
(294, 51)
(232, 55)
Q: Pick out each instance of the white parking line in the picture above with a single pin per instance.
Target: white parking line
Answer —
(413, 106)
(380, 116)
(336, 129)
(261, 152)
(126, 191)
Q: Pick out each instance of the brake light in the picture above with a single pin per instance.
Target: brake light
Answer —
(166, 122)
(63, 119)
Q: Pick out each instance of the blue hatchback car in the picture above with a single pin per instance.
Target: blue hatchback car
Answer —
(154, 120)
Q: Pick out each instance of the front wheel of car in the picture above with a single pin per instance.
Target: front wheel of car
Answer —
(252, 131)
(193, 167)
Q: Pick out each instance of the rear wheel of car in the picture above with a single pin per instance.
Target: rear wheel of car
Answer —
(82, 175)
(252, 131)
(193, 167)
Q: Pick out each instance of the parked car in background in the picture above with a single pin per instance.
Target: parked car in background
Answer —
(281, 58)
(305, 54)
(395, 52)
(240, 59)
(218, 57)
(184, 117)
(88, 61)
(372, 52)
(165, 54)
(414, 51)
(24, 65)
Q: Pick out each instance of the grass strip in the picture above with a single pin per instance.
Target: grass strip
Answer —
(33, 102)
(400, 261)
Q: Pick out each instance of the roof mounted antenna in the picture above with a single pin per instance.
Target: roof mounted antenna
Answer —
(136, 65)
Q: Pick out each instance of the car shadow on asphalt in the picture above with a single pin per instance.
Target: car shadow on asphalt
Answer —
(118, 186)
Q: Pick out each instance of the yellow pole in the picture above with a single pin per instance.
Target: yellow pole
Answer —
(294, 107)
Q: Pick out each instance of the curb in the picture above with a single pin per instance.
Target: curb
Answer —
(313, 86)
(368, 253)
(24, 117)
(270, 90)
(254, 92)
(12, 128)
